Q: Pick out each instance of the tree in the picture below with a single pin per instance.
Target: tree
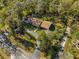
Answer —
(53, 6)
(41, 6)
(5, 2)
(20, 10)
(44, 40)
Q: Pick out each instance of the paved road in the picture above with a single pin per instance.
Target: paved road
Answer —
(65, 38)
(35, 34)
(18, 53)
(21, 54)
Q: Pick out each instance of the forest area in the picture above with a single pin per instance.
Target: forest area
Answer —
(61, 13)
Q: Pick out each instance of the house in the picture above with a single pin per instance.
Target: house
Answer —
(47, 25)
(36, 22)
(39, 23)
